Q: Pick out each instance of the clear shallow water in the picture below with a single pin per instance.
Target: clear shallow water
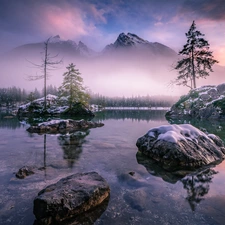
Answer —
(149, 196)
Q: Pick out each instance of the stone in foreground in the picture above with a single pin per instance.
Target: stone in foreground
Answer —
(58, 126)
(70, 197)
(177, 147)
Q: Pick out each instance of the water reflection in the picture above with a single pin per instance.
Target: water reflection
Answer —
(71, 145)
(136, 115)
(45, 153)
(197, 186)
(87, 218)
(196, 183)
(156, 170)
(7, 120)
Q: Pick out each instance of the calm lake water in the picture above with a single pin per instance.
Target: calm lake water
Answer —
(141, 193)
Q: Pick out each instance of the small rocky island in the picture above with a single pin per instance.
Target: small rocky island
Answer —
(69, 198)
(207, 102)
(181, 147)
(54, 106)
(62, 126)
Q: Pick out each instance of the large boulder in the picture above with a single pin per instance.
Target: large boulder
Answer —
(207, 102)
(181, 147)
(62, 126)
(70, 197)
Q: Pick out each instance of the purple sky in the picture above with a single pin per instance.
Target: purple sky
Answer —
(98, 22)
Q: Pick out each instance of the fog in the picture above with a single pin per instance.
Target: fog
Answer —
(121, 73)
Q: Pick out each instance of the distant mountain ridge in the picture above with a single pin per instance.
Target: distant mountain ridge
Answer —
(124, 43)
(56, 46)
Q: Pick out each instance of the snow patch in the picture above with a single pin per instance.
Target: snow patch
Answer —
(175, 133)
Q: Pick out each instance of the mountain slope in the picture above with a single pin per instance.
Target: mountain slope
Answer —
(65, 48)
(133, 43)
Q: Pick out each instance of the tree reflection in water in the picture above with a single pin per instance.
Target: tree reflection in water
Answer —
(197, 186)
(196, 183)
(72, 145)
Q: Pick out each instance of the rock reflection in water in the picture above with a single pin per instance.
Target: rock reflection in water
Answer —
(72, 145)
(196, 183)
(156, 170)
(87, 218)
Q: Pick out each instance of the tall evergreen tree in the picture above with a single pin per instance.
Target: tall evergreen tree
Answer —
(72, 87)
(197, 60)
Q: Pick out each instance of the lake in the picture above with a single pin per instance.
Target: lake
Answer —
(141, 193)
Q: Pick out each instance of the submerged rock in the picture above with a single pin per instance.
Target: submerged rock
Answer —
(70, 197)
(24, 171)
(177, 147)
(207, 102)
(137, 199)
(58, 126)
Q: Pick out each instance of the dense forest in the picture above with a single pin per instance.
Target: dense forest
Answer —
(134, 101)
(13, 96)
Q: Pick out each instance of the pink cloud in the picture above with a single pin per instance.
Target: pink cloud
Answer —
(70, 22)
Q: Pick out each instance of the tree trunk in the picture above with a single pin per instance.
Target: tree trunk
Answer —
(45, 75)
(193, 67)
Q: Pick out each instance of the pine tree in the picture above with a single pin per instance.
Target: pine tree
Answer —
(31, 97)
(197, 60)
(72, 87)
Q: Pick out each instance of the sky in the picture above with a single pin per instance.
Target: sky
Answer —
(99, 22)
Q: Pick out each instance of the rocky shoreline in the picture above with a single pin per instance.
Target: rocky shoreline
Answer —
(207, 102)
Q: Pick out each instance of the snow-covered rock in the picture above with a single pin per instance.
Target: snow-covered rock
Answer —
(207, 102)
(62, 126)
(183, 146)
(55, 106)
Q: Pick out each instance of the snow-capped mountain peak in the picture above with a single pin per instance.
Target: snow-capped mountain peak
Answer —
(126, 43)
(129, 40)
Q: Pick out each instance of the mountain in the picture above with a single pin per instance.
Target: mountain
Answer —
(124, 44)
(131, 42)
(65, 48)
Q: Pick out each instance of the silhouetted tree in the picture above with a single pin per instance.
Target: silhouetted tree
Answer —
(197, 59)
(47, 63)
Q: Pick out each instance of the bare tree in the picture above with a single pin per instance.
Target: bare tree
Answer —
(48, 63)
